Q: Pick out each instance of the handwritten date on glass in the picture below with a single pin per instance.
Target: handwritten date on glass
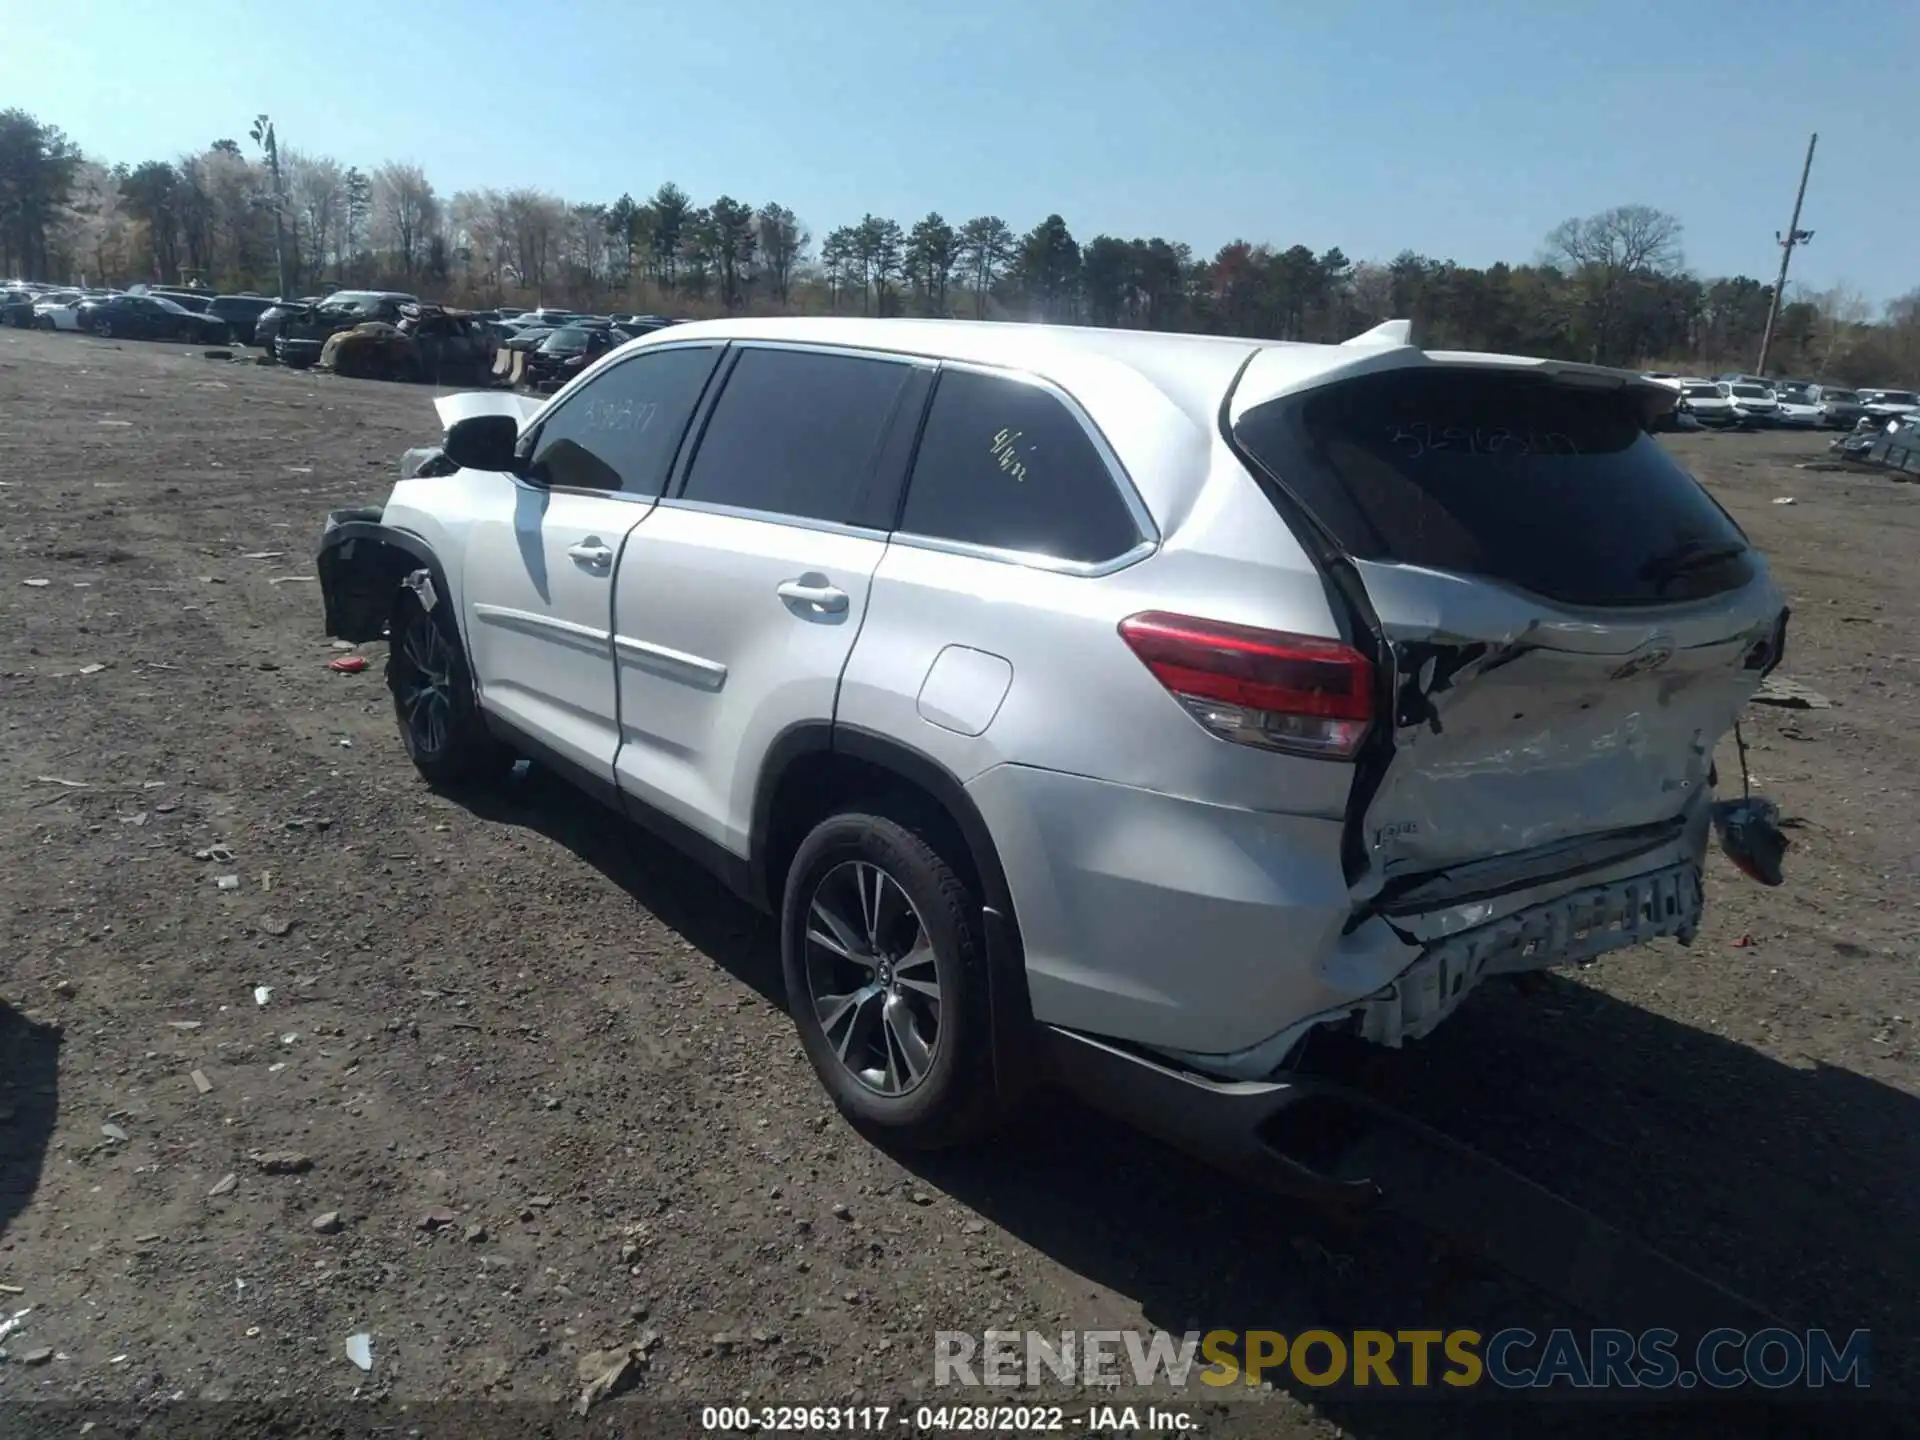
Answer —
(1006, 456)
(623, 416)
(1421, 438)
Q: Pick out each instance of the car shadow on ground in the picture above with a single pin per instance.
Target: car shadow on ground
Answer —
(29, 1105)
(673, 889)
(1792, 1187)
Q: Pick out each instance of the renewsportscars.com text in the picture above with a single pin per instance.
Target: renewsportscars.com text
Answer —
(1510, 1359)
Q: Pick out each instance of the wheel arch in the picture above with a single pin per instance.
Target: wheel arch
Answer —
(363, 563)
(813, 768)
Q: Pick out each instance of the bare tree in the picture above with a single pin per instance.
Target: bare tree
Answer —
(536, 223)
(1608, 254)
(93, 226)
(317, 195)
(405, 211)
(1840, 312)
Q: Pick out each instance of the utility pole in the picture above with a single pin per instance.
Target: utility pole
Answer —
(1794, 236)
(263, 136)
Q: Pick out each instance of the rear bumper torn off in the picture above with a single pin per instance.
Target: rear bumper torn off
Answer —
(1570, 930)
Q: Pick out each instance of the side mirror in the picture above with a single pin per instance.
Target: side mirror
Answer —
(482, 442)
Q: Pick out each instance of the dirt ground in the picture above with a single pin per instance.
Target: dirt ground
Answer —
(530, 1077)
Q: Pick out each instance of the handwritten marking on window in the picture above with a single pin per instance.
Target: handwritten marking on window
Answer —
(620, 416)
(1413, 441)
(1005, 455)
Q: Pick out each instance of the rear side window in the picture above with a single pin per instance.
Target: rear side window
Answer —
(1003, 463)
(619, 431)
(1553, 488)
(796, 433)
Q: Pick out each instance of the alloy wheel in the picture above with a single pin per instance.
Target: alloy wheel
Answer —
(425, 691)
(871, 977)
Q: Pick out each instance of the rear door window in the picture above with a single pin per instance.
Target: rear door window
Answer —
(797, 432)
(620, 430)
(1004, 464)
(1554, 488)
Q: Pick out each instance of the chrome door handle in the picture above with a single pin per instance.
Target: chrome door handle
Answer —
(598, 556)
(830, 598)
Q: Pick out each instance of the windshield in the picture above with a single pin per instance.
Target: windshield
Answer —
(1840, 397)
(565, 341)
(1753, 392)
(1898, 397)
(1701, 392)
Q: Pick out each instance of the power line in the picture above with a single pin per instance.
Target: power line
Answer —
(1794, 236)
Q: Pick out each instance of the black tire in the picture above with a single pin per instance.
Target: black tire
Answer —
(458, 750)
(953, 1101)
(104, 329)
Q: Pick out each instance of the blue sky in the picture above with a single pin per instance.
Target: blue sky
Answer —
(1463, 130)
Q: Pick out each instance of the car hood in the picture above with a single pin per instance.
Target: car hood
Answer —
(454, 408)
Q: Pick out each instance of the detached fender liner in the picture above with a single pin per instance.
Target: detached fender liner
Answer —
(362, 563)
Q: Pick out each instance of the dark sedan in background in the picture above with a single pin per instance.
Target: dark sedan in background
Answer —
(567, 351)
(149, 317)
(16, 308)
(241, 314)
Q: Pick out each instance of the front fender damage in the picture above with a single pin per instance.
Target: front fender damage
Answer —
(362, 565)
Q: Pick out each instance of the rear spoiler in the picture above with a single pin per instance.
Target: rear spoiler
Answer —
(1278, 370)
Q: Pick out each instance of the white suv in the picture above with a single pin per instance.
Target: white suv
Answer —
(1107, 707)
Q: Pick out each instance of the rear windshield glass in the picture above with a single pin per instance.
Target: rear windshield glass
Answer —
(1553, 488)
(1752, 392)
(1896, 397)
(1840, 397)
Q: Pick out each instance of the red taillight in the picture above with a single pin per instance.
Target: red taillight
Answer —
(1259, 687)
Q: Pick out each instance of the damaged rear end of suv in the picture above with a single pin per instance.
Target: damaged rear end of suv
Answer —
(1546, 627)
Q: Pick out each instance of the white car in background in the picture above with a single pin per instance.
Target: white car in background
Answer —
(1798, 409)
(59, 310)
(1887, 404)
(1707, 402)
(1753, 404)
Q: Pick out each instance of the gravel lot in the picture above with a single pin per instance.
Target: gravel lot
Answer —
(528, 1078)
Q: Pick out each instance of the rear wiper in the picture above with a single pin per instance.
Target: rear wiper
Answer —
(1686, 559)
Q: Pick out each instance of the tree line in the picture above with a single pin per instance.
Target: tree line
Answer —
(1612, 287)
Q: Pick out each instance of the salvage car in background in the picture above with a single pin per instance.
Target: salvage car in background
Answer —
(58, 311)
(302, 334)
(266, 329)
(427, 343)
(1754, 404)
(1798, 410)
(1840, 408)
(1707, 402)
(565, 352)
(1890, 404)
(241, 312)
